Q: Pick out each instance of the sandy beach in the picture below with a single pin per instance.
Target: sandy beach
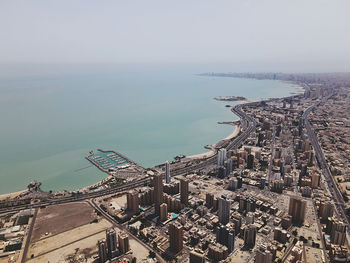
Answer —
(11, 195)
(208, 154)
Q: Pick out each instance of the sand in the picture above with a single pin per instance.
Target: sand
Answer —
(11, 195)
(210, 153)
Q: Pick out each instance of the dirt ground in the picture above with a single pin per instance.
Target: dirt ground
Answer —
(60, 218)
(81, 241)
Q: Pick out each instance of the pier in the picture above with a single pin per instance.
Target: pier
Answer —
(109, 161)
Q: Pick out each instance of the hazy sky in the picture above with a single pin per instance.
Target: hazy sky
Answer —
(263, 35)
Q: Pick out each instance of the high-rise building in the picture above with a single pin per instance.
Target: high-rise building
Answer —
(249, 219)
(242, 204)
(237, 221)
(229, 165)
(250, 162)
(239, 182)
(217, 252)
(277, 186)
(315, 180)
(133, 201)
(222, 172)
(233, 183)
(163, 212)
(251, 204)
(288, 180)
(123, 241)
(158, 192)
(297, 209)
(111, 239)
(221, 156)
(196, 257)
(263, 255)
(175, 237)
(209, 200)
(184, 190)
(167, 172)
(280, 235)
(286, 222)
(249, 236)
(224, 210)
(102, 251)
(226, 236)
(337, 232)
(326, 210)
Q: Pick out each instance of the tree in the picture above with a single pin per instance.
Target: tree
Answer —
(152, 254)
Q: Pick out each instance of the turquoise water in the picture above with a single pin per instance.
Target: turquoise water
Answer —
(50, 121)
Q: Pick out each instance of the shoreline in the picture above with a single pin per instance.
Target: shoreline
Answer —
(210, 153)
(11, 195)
(299, 89)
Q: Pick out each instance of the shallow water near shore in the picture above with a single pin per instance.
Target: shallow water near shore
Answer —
(50, 121)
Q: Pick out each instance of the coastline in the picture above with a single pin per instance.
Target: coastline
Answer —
(212, 152)
(11, 195)
(207, 154)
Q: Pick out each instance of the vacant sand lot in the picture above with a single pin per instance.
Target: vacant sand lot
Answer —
(60, 218)
(81, 240)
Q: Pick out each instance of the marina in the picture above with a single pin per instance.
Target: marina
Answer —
(109, 161)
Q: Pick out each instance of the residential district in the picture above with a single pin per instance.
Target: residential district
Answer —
(277, 192)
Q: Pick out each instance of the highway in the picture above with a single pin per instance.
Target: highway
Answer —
(248, 126)
(79, 197)
(336, 195)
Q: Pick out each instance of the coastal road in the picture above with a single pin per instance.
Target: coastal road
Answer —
(78, 197)
(248, 126)
(336, 195)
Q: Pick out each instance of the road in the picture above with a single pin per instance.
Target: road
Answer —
(269, 170)
(336, 195)
(122, 228)
(26, 246)
(80, 197)
(248, 126)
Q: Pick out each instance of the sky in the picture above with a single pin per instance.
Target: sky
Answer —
(241, 35)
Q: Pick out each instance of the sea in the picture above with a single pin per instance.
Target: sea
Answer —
(51, 116)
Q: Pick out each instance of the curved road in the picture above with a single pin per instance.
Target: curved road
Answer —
(248, 126)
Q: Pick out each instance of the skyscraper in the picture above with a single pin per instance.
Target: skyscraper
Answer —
(326, 210)
(224, 210)
(184, 190)
(163, 212)
(315, 180)
(158, 192)
(221, 156)
(133, 201)
(102, 251)
(167, 172)
(111, 243)
(196, 257)
(263, 255)
(249, 236)
(226, 236)
(338, 232)
(250, 163)
(297, 209)
(175, 237)
(123, 241)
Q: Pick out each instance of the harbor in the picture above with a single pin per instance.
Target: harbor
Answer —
(110, 161)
